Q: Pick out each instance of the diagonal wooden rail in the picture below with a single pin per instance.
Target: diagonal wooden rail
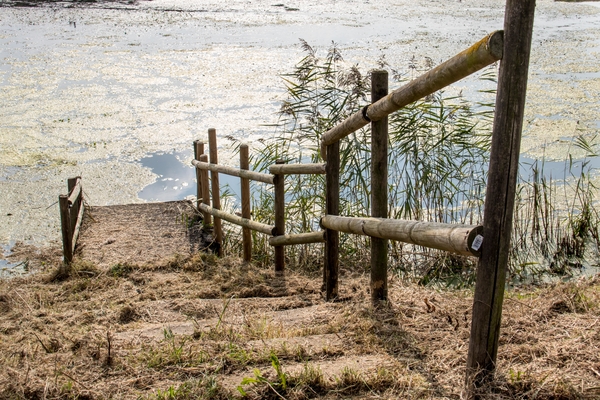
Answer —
(483, 53)
(71, 215)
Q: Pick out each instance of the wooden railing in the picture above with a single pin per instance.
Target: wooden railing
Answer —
(513, 48)
(276, 178)
(71, 216)
(461, 239)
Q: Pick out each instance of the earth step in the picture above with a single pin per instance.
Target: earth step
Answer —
(362, 365)
(287, 319)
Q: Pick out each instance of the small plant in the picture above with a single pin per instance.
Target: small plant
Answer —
(278, 386)
(120, 270)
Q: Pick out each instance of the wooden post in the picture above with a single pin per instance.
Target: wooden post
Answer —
(198, 151)
(280, 218)
(332, 207)
(500, 195)
(205, 192)
(65, 222)
(245, 189)
(214, 182)
(379, 188)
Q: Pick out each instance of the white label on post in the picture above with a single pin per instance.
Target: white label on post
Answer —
(477, 242)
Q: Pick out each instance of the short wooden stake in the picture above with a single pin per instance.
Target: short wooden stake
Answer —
(214, 182)
(500, 194)
(245, 188)
(280, 218)
(206, 218)
(332, 205)
(198, 151)
(379, 188)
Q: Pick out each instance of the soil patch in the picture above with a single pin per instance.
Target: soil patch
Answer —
(147, 233)
(185, 328)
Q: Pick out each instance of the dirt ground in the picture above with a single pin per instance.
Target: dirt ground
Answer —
(192, 326)
(141, 233)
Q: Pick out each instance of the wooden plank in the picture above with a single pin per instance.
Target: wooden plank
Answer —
(299, 238)
(500, 195)
(245, 189)
(74, 185)
(65, 222)
(206, 219)
(255, 176)
(481, 54)
(379, 188)
(455, 238)
(234, 219)
(332, 207)
(78, 223)
(280, 218)
(298, 169)
(198, 151)
(216, 189)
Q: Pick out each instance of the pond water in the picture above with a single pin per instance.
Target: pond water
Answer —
(116, 93)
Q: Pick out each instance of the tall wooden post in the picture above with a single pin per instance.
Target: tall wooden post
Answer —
(245, 189)
(379, 188)
(206, 218)
(214, 182)
(332, 206)
(500, 195)
(198, 151)
(280, 218)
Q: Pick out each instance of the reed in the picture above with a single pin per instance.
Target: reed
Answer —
(438, 158)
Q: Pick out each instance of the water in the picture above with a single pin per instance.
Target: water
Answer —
(116, 93)
(7, 267)
(176, 179)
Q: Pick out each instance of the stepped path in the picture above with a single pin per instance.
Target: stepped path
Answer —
(208, 305)
(149, 316)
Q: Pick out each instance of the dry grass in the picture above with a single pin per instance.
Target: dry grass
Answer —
(195, 327)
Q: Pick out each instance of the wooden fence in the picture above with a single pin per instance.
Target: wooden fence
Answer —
(71, 216)
(512, 46)
(461, 239)
(276, 177)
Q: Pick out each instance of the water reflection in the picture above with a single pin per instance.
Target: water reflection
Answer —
(177, 178)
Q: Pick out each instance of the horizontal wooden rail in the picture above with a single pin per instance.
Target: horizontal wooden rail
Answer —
(300, 238)
(75, 193)
(255, 176)
(234, 219)
(481, 54)
(449, 237)
(289, 169)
